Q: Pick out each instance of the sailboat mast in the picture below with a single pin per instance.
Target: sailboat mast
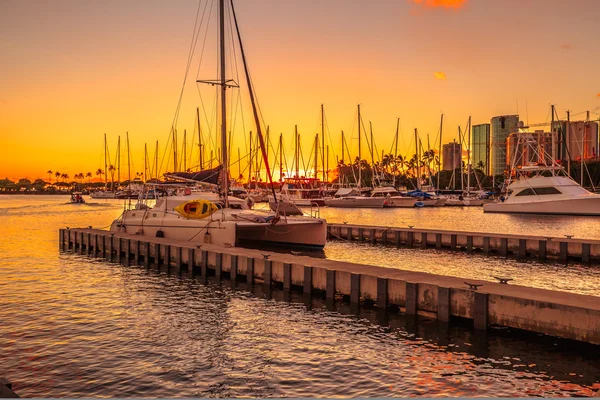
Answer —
(469, 156)
(460, 143)
(396, 151)
(200, 161)
(323, 140)
(156, 162)
(119, 160)
(417, 160)
(296, 152)
(105, 161)
(128, 160)
(250, 163)
(281, 157)
(184, 150)
(440, 153)
(145, 161)
(359, 153)
(316, 154)
(224, 161)
(174, 150)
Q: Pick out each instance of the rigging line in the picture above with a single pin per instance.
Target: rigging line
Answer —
(188, 64)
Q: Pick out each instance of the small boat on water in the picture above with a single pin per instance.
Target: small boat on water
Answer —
(542, 188)
(352, 198)
(77, 198)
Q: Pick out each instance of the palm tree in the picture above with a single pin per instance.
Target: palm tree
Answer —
(57, 175)
(49, 172)
(64, 176)
(89, 176)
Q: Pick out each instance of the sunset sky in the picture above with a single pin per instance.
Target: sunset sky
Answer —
(72, 70)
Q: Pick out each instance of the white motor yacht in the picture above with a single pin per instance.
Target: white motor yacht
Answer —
(542, 188)
(393, 198)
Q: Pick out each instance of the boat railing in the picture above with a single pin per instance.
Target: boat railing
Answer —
(315, 211)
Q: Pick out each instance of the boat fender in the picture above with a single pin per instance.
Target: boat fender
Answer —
(419, 204)
(160, 234)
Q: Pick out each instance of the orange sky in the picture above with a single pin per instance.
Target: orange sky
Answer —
(72, 71)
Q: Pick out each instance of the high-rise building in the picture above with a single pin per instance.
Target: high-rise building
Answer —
(523, 155)
(451, 156)
(501, 127)
(581, 139)
(480, 147)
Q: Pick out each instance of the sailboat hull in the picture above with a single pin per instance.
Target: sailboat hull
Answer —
(398, 201)
(356, 202)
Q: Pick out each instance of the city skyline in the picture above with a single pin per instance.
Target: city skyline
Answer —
(74, 71)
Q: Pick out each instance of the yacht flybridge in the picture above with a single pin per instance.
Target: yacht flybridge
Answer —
(217, 218)
(540, 187)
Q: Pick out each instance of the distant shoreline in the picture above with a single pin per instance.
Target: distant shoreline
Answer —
(37, 193)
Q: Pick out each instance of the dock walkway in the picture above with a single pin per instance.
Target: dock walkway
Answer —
(543, 248)
(561, 314)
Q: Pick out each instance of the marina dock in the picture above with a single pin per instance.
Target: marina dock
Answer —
(6, 391)
(561, 314)
(542, 248)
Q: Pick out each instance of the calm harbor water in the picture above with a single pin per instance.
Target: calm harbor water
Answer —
(74, 326)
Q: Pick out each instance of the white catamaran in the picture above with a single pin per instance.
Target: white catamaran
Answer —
(205, 217)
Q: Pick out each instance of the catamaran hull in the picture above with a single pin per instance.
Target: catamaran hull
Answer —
(306, 234)
(356, 202)
(285, 208)
(589, 205)
(213, 230)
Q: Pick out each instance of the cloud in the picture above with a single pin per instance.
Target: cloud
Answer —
(455, 4)
(566, 46)
(440, 76)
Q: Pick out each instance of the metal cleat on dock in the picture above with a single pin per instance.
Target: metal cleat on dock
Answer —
(266, 256)
(569, 236)
(504, 280)
(473, 286)
(295, 253)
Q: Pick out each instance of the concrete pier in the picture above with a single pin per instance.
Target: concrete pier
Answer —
(562, 249)
(567, 315)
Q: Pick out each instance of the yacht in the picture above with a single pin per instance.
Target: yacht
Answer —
(393, 198)
(218, 218)
(353, 198)
(542, 188)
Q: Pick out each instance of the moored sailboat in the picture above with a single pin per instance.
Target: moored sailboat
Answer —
(230, 222)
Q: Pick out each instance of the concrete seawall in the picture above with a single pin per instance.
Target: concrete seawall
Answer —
(519, 246)
(561, 314)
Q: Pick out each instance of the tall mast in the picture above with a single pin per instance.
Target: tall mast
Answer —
(156, 161)
(145, 161)
(250, 163)
(323, 140)
(396, 151)
(105, 162)
(281, 157)
(128, 160)
(469, 156)
(184, 150)
(342, 147)
(200, 160)
(460, 142)
(296, 150)
(568, 142)
(552, 133)
(359, 154)
(440, 153)
(327, 171)
(174, 150)
(417, 157)
(239, 164)
(224, 161)
(316, 154)
(119, 160)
